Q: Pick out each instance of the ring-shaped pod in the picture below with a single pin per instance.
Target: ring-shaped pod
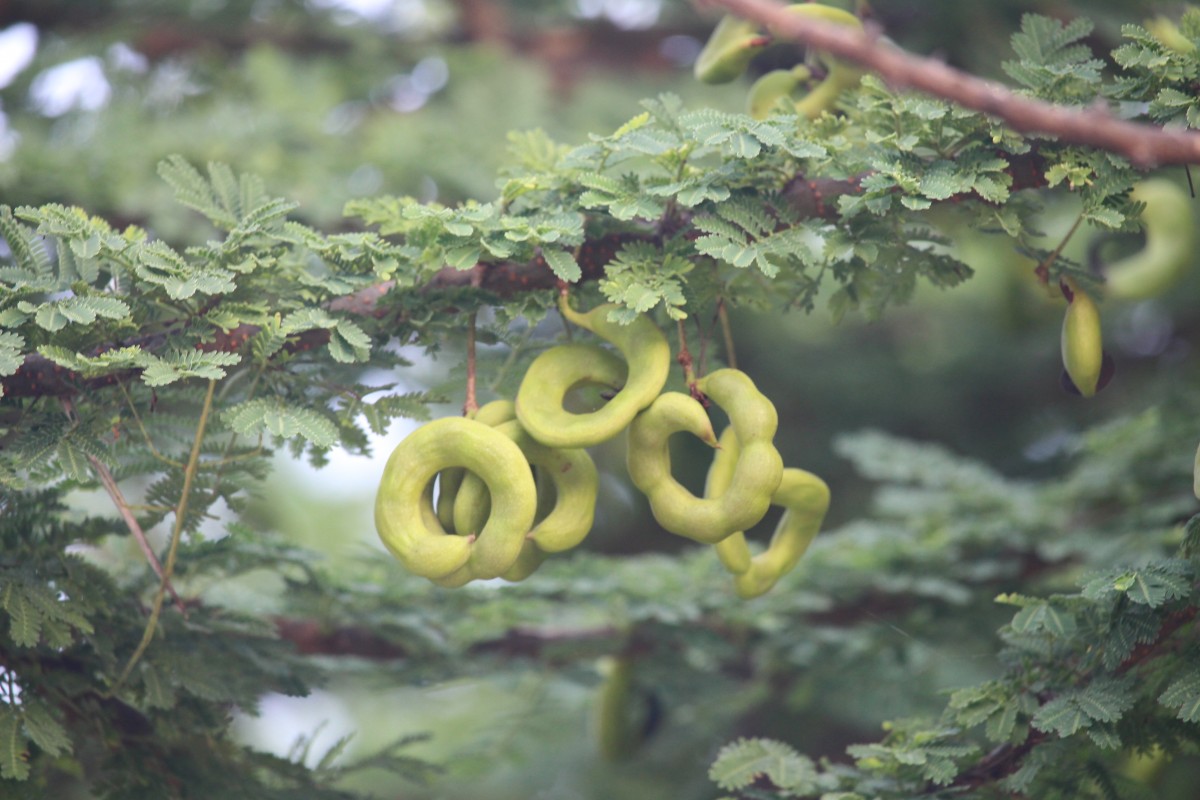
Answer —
(491, 414)
(403, 519)
(804, 498)
(575, 481)
(756, 473)
(558, 370)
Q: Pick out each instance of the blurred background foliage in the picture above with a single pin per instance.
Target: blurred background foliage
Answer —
(329, 100)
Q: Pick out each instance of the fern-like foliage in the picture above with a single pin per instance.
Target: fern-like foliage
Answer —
(1051, 61)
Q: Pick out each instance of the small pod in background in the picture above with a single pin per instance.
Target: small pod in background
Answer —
(624, 715)
(1082, 344)
(840, 75)
(728, 50)
(1170, 247)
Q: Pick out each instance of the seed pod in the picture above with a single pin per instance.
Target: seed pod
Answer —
(772, 87)
(728, 50)
(449, 480)
(805, 499)
(756, 474)
(1170, 243)
(1082, 347)
(403, 513)
(841, 74)
(556, 371)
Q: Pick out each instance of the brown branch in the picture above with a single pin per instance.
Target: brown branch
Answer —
(726, 333)
(359, 641)
(1145, 145)
(114, 492)
(40, 377)
(685, 357)
(313, 638)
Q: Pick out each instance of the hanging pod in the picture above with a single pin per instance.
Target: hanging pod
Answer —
(491, 414)
(557, 371)
(756, 472)
(728, 50)
(805, 500)
(572, 479)
(404, 515)
(1082, 345)
(773, 86)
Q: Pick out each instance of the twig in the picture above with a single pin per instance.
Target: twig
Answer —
(176, 534)
(1042, 271)
(1006, 759)
(685, 357)
(1145, 145)
(142, 428)
(114, 491)
(471, 405)
(702, 358)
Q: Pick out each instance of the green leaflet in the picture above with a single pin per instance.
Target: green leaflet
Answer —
(257, 417)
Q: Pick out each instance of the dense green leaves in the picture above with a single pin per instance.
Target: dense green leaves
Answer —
(260, 416)
(1052, 61)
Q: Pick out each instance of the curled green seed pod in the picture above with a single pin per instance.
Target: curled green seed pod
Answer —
(805, 499)
(720, 475)
(771, 87)
(555, 372)
(496, 412)
(841, 74)
(491, 414)
(575, 483)
(1082, 346)
(756, 474)
(472, 505)
(403, 519)
(1170, 243)
(532, 557)
(1167, 32)
(728, 50)
(448, 482)
(527, 563)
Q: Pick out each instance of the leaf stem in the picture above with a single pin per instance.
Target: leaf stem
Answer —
(685, 357)
(471, 405)
(142, 428)
(1043, 269)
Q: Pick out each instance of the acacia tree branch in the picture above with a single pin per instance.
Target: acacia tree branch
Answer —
(1007, 758)
(1144, 145)
(176, 535)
